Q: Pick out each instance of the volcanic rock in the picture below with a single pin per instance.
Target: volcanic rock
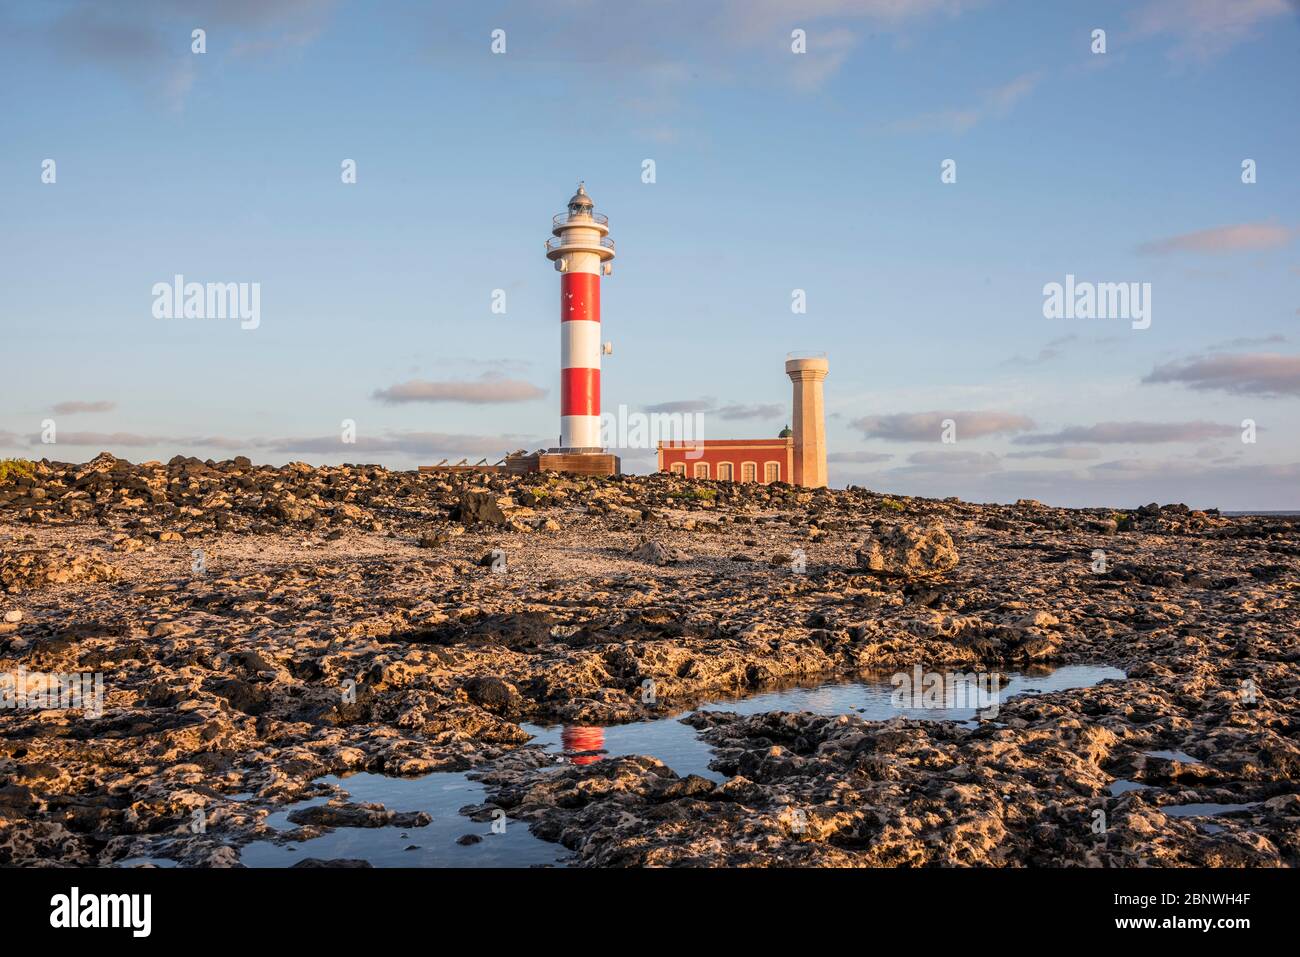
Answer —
(264, 682)
(480, 508)
(656, 552)
(357, 815)
(490, 692)
(332, 862)
(907, 550)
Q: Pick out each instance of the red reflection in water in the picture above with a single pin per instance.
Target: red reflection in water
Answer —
(578, 738)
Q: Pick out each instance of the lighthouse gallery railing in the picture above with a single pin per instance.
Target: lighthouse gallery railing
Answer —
(557, 242)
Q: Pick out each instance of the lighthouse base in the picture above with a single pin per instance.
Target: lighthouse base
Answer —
(565, 460)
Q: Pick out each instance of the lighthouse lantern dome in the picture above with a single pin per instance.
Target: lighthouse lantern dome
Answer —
(581, 203)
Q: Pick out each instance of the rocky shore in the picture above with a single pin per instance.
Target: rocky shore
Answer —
(257, 629)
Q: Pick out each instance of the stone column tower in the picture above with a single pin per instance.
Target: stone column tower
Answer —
(806, 371)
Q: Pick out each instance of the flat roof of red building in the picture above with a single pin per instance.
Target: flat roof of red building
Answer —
(727, 443)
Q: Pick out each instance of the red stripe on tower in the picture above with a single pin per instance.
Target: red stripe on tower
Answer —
(580, 392)
(579, 296)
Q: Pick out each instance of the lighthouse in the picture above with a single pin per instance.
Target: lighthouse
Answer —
(582, 252)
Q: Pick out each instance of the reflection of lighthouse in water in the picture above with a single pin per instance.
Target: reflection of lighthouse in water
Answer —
(579, 738)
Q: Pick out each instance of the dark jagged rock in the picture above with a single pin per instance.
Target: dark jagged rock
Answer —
(493, 694)
(480, 508)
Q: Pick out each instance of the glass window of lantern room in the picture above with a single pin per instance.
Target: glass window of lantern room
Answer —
(701, 469)
(749, 472)
(772, 472)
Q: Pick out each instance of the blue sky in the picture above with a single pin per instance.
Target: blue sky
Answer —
(774, 171)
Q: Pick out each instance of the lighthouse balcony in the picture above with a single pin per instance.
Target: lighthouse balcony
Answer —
(599, 220)
(559, 245)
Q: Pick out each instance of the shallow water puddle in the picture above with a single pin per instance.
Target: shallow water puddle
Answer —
(1123, 786)
(1182, 757)
(147, 862)
(442, 794)
(680, 747)
(1203, 810)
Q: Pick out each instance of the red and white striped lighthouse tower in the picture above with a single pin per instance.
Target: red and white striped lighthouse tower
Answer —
(581, 250)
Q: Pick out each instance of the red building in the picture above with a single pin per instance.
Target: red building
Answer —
(731, 460)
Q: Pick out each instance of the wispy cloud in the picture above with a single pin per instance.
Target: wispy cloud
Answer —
(1203, 29)
(1050, 351)
(954, 460)
(137, 440)
(491, 387)
(682, 405)
(827, 51)
(735, 41)
(1072, 453)
(1243, 342)
(75, 407)
(1261, 374)
(755, 19)
(1221, 239)
(731, 411)
(992, 104)
(430, 444)
(147, 42)
(759, 411)
(1120, 482)
(1131, 432)
(858, 457)
(389, 442)
(928, 426)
